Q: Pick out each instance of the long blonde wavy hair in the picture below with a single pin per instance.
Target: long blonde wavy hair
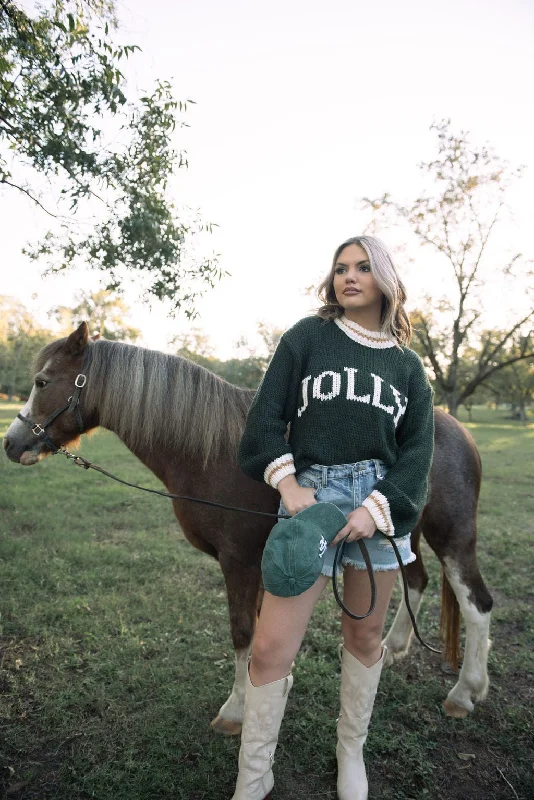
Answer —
(395, 323)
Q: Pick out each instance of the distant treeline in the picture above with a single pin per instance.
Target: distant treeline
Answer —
(21, 338)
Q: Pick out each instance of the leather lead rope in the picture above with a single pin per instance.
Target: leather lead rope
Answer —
(80, 461)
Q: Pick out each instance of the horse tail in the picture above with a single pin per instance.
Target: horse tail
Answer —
(449, 623)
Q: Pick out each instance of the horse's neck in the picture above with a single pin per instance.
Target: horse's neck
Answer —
(166, 464)
(155, 459)
(156, 462)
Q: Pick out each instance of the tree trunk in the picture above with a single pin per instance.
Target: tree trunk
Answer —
(452, 404)
(522, 412)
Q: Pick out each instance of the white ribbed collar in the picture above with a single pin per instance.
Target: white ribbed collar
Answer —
(375, 339)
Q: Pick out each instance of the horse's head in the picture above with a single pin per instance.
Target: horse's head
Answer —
(57, 387)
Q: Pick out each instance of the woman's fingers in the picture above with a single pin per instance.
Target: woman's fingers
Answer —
(360, 525)
(295, 509)
(352, 532)
(298, 498)
(341, 535)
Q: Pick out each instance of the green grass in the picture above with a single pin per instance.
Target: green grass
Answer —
(115, 651)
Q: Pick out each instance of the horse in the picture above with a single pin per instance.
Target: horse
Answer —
(184, 423)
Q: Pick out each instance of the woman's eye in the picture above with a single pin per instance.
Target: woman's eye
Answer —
(339, 270)
(365, 268)
(40, 384)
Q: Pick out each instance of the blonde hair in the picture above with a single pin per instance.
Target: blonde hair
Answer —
(394, 320)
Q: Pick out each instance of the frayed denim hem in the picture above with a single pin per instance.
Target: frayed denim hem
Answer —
(360, 565)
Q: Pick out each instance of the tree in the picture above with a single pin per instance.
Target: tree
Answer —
(105, 313)
(246, 372)
(515, 383)
(21, 338)
(61, 92)
(194, 345)
(457, 219)
(270, 336)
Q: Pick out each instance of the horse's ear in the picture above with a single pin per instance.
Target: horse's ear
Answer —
(77, 341)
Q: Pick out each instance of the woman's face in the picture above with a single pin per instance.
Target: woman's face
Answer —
(355, 286)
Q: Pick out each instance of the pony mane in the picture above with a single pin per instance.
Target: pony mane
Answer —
(152, 399)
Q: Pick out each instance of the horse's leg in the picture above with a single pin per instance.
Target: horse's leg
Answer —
(461, 570)
(400, 634)
(475, 606)
(243, 589)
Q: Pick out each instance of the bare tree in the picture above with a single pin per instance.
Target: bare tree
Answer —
(457, 217)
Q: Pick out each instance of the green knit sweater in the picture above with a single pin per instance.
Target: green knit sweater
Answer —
(349, 395)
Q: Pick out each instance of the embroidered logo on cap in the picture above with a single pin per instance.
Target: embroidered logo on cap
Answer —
(323, 544)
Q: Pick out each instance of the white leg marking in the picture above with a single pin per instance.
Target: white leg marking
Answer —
(400, 634)
(473, 680)
(233, 709)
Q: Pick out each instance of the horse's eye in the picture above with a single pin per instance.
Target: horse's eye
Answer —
(40, 384)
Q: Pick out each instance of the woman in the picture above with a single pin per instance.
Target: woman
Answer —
(361, 436)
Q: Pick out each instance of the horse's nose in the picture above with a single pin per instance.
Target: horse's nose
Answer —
(6, 442)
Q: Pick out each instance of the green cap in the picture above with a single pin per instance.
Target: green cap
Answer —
(293, 556)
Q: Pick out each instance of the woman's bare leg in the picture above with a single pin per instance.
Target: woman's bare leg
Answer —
(279, 633)
(363, 638)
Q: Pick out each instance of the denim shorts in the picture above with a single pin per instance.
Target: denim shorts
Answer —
(347, 486)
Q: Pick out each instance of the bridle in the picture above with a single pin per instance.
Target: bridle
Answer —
(72, 406)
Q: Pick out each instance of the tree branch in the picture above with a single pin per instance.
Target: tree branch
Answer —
(505, 339)
(26, 192)
(471, 322)
(482, 246)
(476, 381)
(426, 342)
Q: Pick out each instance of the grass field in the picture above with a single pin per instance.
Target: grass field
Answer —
(115, 651)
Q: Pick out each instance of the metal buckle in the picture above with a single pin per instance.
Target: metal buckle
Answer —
(80, 385)
(37, 430)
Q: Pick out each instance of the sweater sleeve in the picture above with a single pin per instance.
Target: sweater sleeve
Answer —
(400, 496)
(264, 453)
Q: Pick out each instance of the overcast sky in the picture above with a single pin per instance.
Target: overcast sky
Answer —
(302, 108)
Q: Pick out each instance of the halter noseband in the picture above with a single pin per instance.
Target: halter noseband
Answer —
(72, 405)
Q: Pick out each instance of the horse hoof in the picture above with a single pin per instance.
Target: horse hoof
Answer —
(226, 726)
(452, 709)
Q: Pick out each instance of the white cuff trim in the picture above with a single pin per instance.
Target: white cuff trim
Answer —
(278, 469)
(378, 507)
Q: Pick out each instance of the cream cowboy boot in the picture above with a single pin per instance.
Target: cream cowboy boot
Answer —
(358, 690)
(264, 711)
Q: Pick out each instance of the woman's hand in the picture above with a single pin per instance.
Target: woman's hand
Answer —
(360, 525)
(295, 497)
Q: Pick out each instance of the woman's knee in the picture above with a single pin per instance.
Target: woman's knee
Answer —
(360, 638)
(268, 652)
